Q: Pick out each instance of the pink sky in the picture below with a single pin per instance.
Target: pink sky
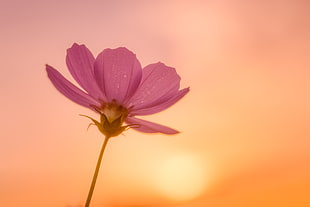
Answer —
(245, 123)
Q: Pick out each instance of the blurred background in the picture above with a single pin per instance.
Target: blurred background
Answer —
(245, 123)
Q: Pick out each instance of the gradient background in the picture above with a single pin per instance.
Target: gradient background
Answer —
(245, 123)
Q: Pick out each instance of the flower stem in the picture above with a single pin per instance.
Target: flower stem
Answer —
(93, 183)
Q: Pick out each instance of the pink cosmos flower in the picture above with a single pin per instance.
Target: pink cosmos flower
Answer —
(118, 88)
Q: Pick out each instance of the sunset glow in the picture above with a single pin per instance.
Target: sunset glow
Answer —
(181, 177)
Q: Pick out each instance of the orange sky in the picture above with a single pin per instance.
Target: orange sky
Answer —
(245, 123)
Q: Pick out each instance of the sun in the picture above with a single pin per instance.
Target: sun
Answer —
(181, 178)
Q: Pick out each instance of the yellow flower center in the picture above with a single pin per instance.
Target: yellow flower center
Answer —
(112, 117)
(113, 111)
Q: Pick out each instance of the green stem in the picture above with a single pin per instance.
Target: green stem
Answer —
(93, 183)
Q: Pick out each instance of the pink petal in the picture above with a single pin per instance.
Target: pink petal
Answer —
(159, 84)
(69, 90)
(118, 72)
(162, 106)
(80, 62)
(150, 127)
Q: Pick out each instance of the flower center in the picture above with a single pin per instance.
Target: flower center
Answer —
(112, 117)
(113, 111)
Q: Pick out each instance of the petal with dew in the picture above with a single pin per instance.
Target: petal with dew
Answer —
(80, 62)
(159, 83)
(69, 90)
(150, 127)
(118, 73)
(162, 106)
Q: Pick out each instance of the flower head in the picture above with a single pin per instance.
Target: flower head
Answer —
(116, 86)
